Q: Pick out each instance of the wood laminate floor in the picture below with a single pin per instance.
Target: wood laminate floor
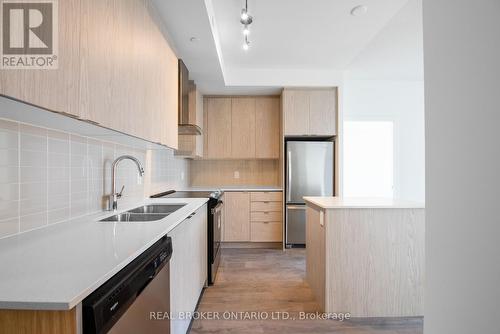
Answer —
(273, 281)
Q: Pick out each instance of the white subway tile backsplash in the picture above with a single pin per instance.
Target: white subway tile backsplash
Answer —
(58, 174)
(33, 158)
(33, 174)
(58, 195)
(78, 145)
(9, 227)
(9, 157)
(50, 176)
(58, 216)
(58, 160)
(33, 198)
(9, 192)
(79, 207)
(9, 174)
(9, 138)
(9, 209)
(33, 221)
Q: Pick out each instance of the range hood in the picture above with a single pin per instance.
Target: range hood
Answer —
(186, 121)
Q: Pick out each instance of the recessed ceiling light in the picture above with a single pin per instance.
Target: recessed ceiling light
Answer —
(194, 39)
(359, 10)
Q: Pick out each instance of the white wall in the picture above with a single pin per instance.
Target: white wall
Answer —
(462, 82)
(385, 81)
(403, 103)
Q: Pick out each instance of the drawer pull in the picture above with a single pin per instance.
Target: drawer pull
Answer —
(267, 202)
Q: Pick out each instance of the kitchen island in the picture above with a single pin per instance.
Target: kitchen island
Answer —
(366, 256)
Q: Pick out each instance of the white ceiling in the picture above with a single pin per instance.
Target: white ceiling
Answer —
(294, 42)
(396, 52)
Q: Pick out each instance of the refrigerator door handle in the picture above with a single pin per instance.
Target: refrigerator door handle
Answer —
(289, 176)
(296, 207)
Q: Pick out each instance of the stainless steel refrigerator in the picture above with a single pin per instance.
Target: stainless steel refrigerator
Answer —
(309, 172)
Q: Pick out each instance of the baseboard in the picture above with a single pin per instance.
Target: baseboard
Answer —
(272, 245)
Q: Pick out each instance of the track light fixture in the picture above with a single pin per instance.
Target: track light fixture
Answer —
(246, 19)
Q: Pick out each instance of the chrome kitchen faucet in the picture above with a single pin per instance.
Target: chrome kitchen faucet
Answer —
(115, 196)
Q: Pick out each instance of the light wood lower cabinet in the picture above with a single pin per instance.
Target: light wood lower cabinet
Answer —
(315, 255)
(249, 219)
(39, 322)
(266, 231)
(237, 216)
(266, 196)
(188, 267)
(265, 206)
(366, 261)
(266, 216)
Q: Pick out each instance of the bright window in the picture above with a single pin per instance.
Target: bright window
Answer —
(369, 159)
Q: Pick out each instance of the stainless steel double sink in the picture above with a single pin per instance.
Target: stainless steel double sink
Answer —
(145, 213)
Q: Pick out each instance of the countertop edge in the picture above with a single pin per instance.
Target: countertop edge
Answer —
(317, 201)
(235, 189)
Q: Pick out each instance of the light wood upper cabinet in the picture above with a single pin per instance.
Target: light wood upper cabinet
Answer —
(267, 127)
(58, 89)
(237, 216)
(129, 72)
(322, 112)
(296, 112)
(115, 69)
(243, 128)
(310, 111)
(218, 128)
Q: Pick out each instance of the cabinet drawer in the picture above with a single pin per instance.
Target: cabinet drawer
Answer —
(265, 206)
(266, 216)
(269, 196)
(266, 231)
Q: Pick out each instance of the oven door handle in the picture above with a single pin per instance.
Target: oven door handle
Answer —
(217, 207)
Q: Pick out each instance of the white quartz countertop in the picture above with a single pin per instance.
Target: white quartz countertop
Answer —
(236, 188)
(56, 267)
(361, 202)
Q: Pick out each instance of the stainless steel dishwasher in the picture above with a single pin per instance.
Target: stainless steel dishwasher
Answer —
(136, 299)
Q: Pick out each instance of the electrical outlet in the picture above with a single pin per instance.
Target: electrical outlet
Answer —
(236, 174)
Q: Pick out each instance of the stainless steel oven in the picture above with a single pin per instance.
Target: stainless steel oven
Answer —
(217, 217)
